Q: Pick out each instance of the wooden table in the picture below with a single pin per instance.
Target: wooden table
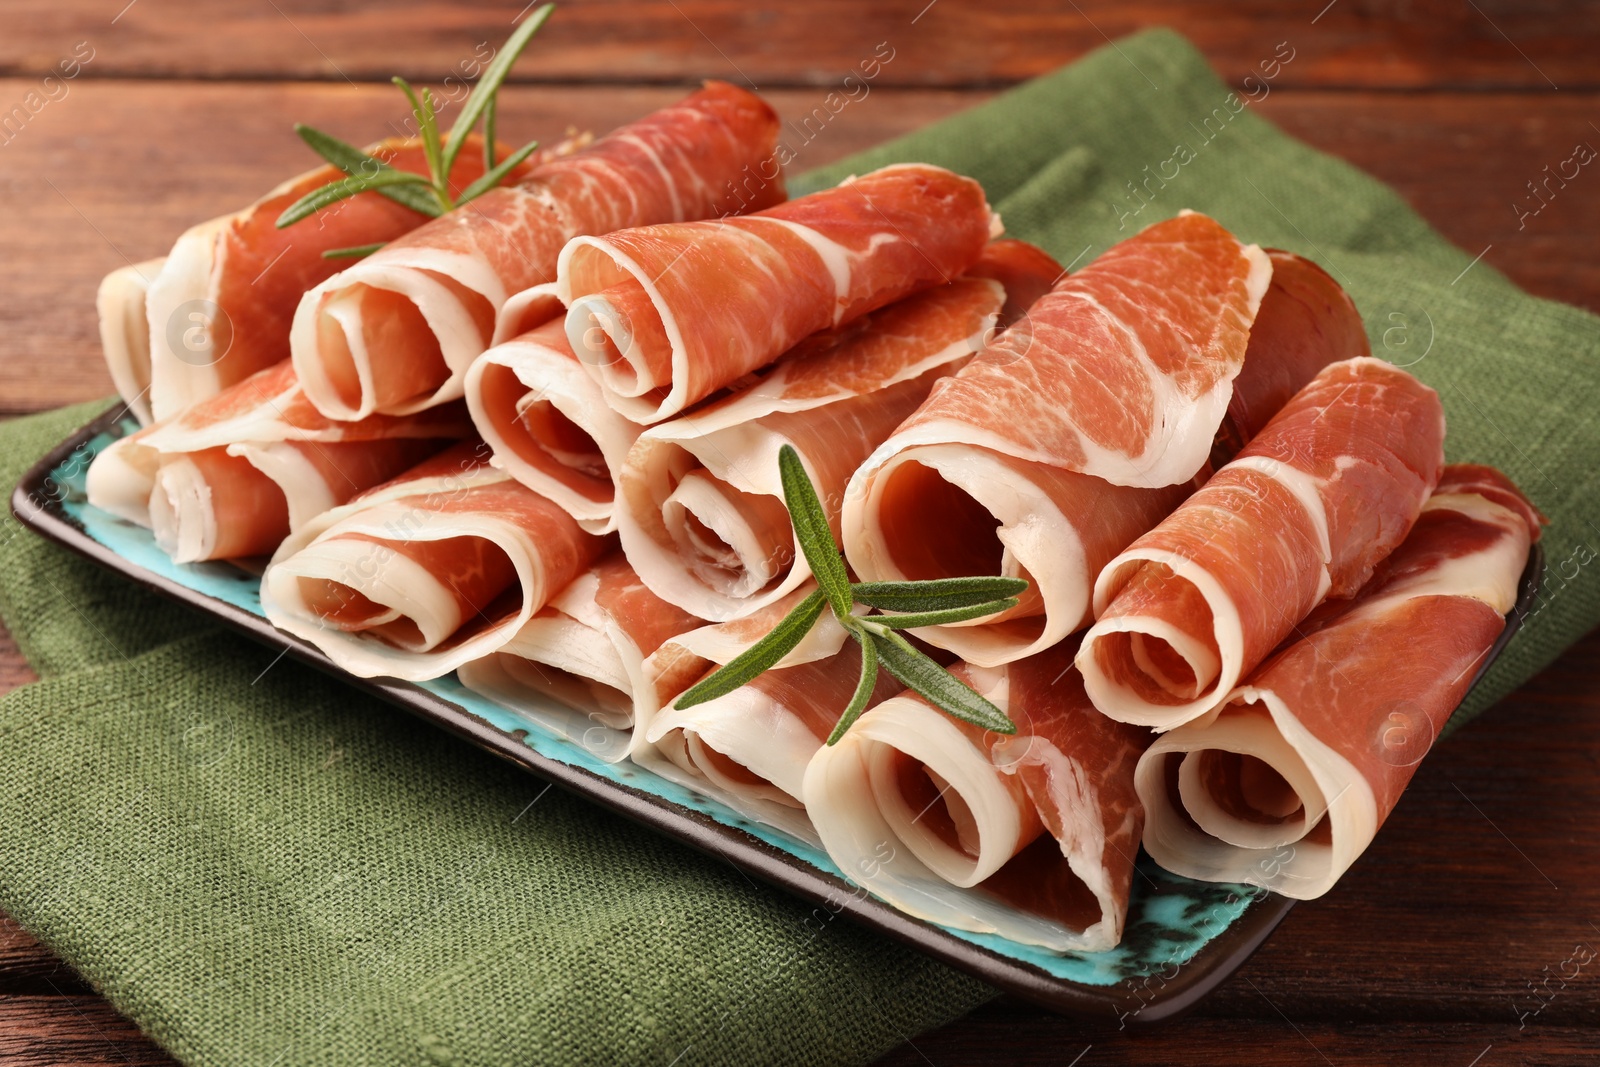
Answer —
(1445, 944)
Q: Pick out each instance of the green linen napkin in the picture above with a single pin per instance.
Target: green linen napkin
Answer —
(260, 866)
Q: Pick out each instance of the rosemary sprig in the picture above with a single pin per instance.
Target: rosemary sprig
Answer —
(925, 603)
(428, 194)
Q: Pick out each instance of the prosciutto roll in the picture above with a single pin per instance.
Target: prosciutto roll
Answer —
(1123, 370)
(548, 425)
(415, 577)
(750, 747)
(701, 508)
(661, 322)
(1286, 783)
(1030, 836)
(1306, 511)
(1026, 272)
(233, 475)
(949, 494)
(125, 333)
(396, 331)
(221, 306)
(577, 666)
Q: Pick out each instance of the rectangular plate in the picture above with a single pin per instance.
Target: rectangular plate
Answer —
(1182, 937)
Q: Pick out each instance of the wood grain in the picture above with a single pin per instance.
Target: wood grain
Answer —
(997, 1030)
(71, 1030)
(97, 200)
(1503, 44)
(1483, 881)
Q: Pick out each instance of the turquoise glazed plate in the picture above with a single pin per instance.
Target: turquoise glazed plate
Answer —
(1182, 938)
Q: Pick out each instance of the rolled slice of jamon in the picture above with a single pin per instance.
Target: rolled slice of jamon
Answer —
(1286, 783)
(233, 475)
(548, 425)
(1306, 322)
(1308, 509)
(1124, 370)
(750, 747)
(397, 331)
(700, 505)
(577, 667)
(1031, 836)
(664, 316)
(125, 333)
(948, 496)
(221, 307)
(1026, 272)
(436, 568)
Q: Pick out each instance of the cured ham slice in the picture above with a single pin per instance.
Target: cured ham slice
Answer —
(397, 331)
(1123, 370)
(125, 333)
(548, 425)
(1286, 783)
(221, 306)
(1026, 272)
(661, 321)
(233, 475)
(415, 577)
(749, 748)
(947, 496)
(1306, 511)
(577, 666)
(700, 504)
(1306, 321)
(1030, 836)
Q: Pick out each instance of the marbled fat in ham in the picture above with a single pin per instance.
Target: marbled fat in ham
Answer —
(701, 509)
(1031, 836)
(232, 475)
(120, 304)
(948, 496)
(662, 322)
(397, 331)
(1285, 784)
(1305, 512)
(1124, 369)
(442, 565)
(548, 425)
(577, 667)
(220, 308)
(749, 747)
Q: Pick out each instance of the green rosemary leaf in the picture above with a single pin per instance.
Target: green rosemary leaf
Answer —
(496, 174)
(428, 129)
(358, 164)
(489, 134)
(812, 531)
(759, 656)
(334, 192)
(354, 252)
(347, 157)
(938, 686)
(864, 688)
(490, 83)
(944, 615)
(936, 594)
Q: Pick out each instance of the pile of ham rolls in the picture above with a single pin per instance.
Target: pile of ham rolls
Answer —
(536, 443)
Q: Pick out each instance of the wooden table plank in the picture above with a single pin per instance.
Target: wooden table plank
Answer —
(71, 1031)
(96, 201)
(1346, 43)
(1027, 1041)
